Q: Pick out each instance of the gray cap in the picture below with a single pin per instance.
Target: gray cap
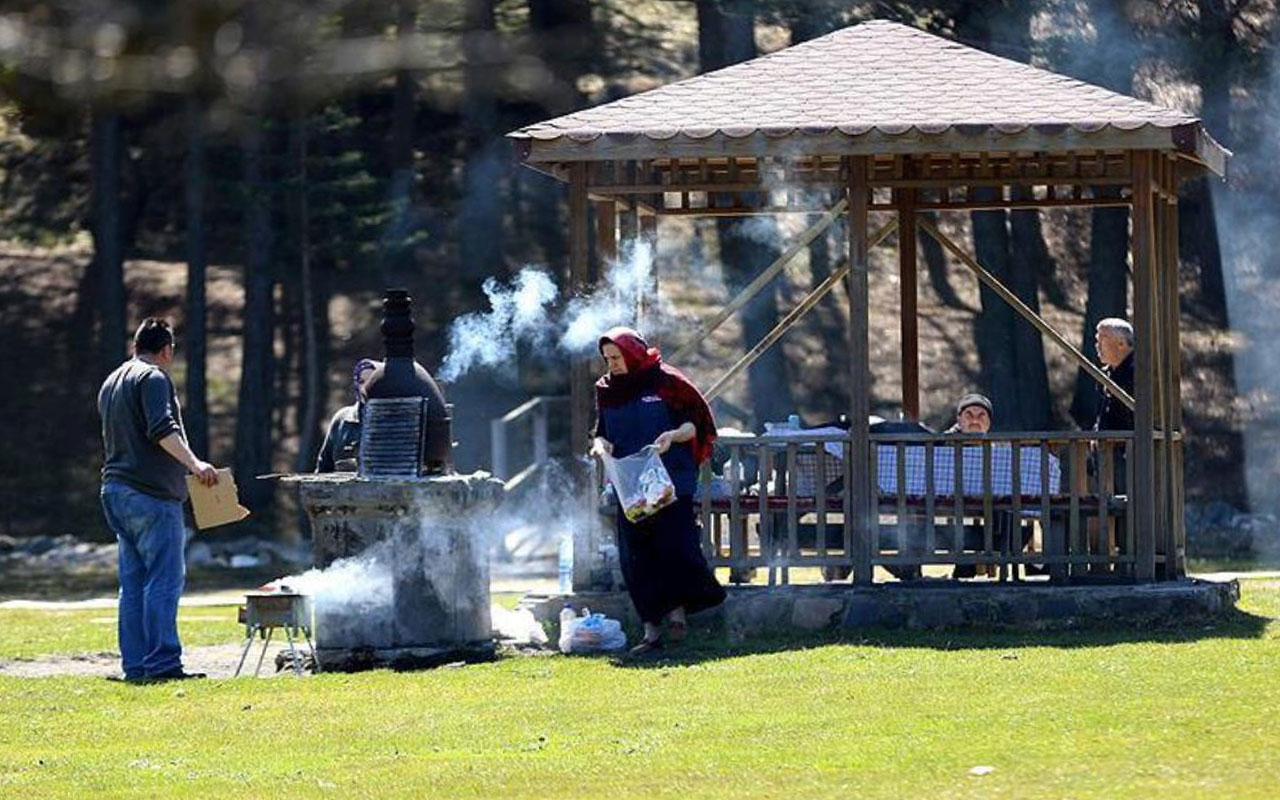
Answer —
(974, 399)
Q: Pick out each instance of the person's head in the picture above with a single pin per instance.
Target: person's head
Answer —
(153, 341)
(1114, 340)
(360, 376)
(973, 413)
(625, 351)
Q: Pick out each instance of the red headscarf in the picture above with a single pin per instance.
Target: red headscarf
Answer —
(646, 372)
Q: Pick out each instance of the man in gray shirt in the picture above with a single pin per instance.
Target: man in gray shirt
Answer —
(143, 487)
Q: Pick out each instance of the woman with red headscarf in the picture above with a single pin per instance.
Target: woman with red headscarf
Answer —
(641, 401)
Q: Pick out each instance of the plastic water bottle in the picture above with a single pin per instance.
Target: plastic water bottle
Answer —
(566, 563)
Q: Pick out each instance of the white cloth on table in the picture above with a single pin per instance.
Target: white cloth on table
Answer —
(972, 485)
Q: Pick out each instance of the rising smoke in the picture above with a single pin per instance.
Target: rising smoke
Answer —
(530, 311)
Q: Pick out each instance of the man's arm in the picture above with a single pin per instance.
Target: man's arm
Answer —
(165, 431)
(175, 446)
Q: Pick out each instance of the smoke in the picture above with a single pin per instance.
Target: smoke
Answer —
(517, 312)
(522, 314)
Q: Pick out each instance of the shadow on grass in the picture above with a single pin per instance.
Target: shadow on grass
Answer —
(18, 582)
(710, 642)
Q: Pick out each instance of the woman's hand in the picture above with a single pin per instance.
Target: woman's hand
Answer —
(667, 438)
(663, 443)
(601, 447)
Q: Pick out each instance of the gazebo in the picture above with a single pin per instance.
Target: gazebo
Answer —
(892, 119)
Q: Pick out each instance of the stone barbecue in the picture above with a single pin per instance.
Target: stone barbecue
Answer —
(418, 527)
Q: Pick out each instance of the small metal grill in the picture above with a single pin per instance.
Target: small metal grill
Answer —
(263, 612)
(391, 437)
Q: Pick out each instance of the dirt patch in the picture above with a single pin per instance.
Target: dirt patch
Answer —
(217, 661)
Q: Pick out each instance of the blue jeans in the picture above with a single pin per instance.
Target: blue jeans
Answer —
(150, 534)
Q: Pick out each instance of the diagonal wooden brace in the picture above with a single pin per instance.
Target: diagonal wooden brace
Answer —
(761, 280)
(803, 307)
(1035, 319)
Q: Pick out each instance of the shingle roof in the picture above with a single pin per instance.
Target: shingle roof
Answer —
(877, 81)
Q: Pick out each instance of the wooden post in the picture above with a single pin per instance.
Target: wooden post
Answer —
(862, 498)
(1176, 544)
(581, 378)
(606, 234)
(1142, 490)
(910, 322)
(648, 236)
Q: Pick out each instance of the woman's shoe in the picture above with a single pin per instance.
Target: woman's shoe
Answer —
(645, 647)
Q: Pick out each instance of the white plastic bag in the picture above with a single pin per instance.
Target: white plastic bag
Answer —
(592, 633)
(641, 482)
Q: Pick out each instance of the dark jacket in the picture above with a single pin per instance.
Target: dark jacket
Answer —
(341, 442)
(139, 407)
(1113, 414)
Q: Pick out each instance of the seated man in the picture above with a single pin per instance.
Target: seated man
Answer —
(973, 414)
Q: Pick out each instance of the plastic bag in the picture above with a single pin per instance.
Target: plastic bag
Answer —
(593, 633)
(641, 482)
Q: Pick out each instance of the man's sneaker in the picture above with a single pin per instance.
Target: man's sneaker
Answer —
(175, 675)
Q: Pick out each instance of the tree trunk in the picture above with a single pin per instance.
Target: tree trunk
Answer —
(1108, 294)
(195, 413)
(309, 395)
(568, 44)
(397, 253)
(994, 326)
(726, 35)
(253, 414)
(480, 210)
(106, 154)
(1029, 258)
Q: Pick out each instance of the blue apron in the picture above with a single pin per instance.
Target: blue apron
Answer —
(634, 425)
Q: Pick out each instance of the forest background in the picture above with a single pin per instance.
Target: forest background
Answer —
(259, 172)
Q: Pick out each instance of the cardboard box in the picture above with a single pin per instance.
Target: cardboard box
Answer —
(218, 504)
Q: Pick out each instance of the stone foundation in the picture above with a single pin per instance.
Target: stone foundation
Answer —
(431, 534)
(757, 610)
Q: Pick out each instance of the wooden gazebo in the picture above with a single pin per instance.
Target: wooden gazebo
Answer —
(901, 121)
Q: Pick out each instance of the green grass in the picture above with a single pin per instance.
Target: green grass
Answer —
(1183, 712)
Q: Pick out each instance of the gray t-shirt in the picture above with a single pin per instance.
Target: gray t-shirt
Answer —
(139, 407)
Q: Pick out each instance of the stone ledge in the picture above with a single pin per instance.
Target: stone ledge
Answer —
(754, 610)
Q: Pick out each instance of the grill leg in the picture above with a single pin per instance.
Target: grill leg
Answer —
(293, 653)
(248, 644)
(265, 644)
(315, 657)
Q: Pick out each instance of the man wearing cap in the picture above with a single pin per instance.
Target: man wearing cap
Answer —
(973, 414)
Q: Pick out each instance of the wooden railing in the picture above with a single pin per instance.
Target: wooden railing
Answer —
(530, 421)
(1069, 487)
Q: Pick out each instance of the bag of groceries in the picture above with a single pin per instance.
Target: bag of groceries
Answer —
(591, 633)
(641, 483)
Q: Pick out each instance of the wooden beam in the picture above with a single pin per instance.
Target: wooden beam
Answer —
(865, 531)
(1012, 299)
(908, 313)
(762, 280)
(1142, 491)
(580, 374)
(805, 305)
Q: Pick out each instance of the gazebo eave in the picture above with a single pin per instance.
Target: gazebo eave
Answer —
(547, 155)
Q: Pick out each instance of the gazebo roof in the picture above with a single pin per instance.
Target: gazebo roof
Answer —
(877, 87)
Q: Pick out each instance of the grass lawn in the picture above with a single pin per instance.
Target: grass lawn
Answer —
(1187, 712)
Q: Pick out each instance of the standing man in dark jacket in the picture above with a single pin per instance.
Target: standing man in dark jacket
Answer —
(1114, 341)
(143, 487)
(341, 449)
